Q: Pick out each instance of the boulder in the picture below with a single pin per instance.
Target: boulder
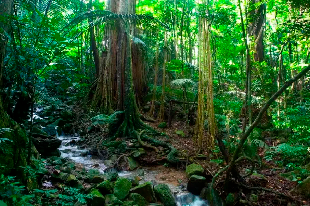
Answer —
(194, 169)
(195, 184)
(145, 190)
(303, 188)
(46, 145)
(111, 199)
(164, 194)
(132, 163)
(122, 188)
(96, 179)
(138, 199)
(105, 187)
(98, 198)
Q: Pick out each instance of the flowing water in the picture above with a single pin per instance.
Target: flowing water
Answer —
(70, 150)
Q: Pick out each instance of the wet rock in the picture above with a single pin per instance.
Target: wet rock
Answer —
(46, 145)
(111, 174)
(303, 188)
(132, 164)
(195, 184)
(258, 180)
(138, 199)
(111, 199)
(146, 190)
(212, 196)
(122, 188)
(194, 169)
(164, 194)
(96, 179)
(98, 198)
(105, 187)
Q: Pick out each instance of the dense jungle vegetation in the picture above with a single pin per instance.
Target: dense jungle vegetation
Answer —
(216, 89)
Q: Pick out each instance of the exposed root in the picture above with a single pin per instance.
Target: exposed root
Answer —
(144, 144)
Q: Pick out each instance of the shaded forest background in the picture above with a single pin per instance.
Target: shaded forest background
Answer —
(221, 82)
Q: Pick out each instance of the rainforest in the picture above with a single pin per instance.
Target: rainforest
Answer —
(143, 102)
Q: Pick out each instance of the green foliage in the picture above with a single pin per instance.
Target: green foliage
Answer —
(12, 191)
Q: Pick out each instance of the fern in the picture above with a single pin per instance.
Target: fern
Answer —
(98, 17)
(106, 119)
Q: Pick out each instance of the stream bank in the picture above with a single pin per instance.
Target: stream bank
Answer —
(175, 179)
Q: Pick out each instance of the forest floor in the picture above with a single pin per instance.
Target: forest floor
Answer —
(270, 171)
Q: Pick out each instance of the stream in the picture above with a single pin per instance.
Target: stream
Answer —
(80, 155)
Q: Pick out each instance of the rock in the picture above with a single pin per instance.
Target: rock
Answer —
(132, 164)
(146, 190)
(46, 145)
(258, 180)
(71, 180)
(122, 188)
(195, 184)
(96, 179)
(164, 194)
(303, 188)
(105, 187)
(138, 199)
(194, 169)
(112, 200)
(212, 196)
(111, 175)
(128, 203)
(98, 198)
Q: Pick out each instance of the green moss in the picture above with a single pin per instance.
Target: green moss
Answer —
(162, 125)
(164, 194)
(133, 164)
(97, 198)
(105, 187)
(194, 169)
(146, 190)
(122, 188)
(111, 199)
(138, 199)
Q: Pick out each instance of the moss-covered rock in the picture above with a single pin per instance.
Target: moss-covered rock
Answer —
(105, 187)
(211, 195)
(132, 163)
(111, 199)
(122, 188)
(71, 180)
(138, 199)
(195, 184)
(97, 198)
(164, 194)
(194, 169)
(146, 190)
(128, 203)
